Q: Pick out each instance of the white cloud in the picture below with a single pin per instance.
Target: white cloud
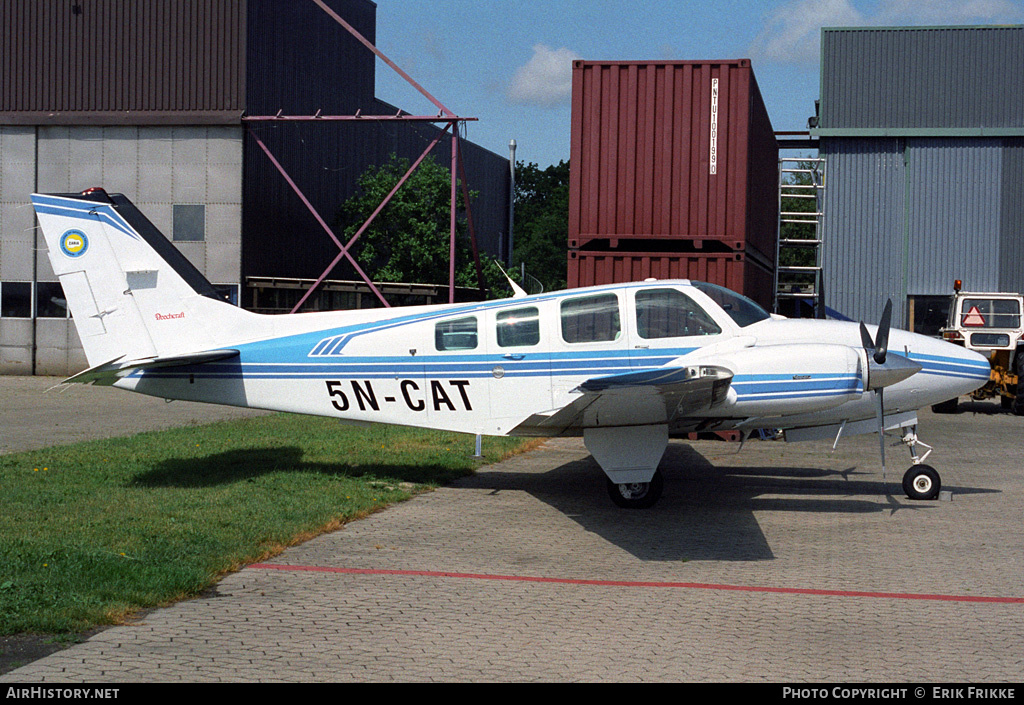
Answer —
(945, 12)
(791, 32)
(546, 79)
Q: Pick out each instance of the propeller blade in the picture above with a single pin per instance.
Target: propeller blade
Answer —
(882, 336)
(865, 337)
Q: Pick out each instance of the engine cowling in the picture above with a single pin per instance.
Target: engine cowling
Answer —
(792, 379)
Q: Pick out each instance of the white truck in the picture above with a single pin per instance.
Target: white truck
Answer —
(991, 324)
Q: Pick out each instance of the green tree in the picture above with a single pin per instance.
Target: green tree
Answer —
(542, 222)
(409, 239)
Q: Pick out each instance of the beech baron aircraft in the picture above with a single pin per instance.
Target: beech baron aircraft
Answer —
(626, 366)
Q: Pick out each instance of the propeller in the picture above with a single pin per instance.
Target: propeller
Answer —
(880, 346)
(880, 374)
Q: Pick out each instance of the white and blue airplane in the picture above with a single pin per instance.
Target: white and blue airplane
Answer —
(626, 366)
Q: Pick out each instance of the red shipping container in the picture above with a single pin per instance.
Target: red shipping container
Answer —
(733, 270)
(679, 150)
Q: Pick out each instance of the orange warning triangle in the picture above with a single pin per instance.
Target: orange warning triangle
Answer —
(974, 317)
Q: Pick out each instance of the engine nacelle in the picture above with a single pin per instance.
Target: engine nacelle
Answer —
(804, 378)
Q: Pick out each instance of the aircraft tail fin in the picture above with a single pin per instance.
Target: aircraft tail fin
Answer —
(131, 293)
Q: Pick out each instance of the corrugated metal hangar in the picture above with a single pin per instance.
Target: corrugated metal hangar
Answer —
(922, 132)
(147, 98)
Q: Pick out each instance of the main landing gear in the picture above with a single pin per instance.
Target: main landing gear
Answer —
(637, 495)
(920, 481)
(629, 456)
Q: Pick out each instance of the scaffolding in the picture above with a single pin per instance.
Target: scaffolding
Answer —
(799, 285)
(444, 116)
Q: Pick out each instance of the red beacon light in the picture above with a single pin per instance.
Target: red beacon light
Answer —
(957, 284)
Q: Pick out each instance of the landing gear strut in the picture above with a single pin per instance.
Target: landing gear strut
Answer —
(920, 481)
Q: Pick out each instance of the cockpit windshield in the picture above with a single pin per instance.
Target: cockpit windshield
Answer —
(741, 309)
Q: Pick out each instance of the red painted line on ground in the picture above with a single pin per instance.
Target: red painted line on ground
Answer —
(643, 584)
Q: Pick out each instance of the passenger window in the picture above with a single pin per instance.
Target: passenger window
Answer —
(591, 319)
(459, 334)
(669, 313)
(518, 328)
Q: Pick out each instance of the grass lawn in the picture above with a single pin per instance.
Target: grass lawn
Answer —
(91, 532)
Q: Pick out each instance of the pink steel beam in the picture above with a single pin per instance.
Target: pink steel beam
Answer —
(452, 120)
(336, 118)
(345, 248)
(451, 239)
(365, 42)
(323, 224)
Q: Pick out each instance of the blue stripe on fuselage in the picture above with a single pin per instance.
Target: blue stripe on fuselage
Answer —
(952, 366)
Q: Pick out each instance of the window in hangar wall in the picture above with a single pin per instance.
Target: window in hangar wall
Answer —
(927, 314)
(16, 299)
(188, 223)
(50, 300)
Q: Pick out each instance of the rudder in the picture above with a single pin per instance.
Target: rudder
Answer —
(131, 293)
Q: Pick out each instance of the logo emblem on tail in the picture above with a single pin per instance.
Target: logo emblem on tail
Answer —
(74, 243)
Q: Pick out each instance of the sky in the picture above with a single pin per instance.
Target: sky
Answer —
(508, 62)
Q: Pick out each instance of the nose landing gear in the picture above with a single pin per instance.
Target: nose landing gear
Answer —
(920, 481)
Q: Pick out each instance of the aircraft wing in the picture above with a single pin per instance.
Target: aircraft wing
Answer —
(110, 372)
(635, 399)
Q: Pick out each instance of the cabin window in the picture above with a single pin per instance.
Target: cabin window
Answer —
(669, 313)
(591, 319)
(519, 327)
(459, 334)
(741, 310)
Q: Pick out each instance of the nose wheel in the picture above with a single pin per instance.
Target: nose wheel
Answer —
(920, 481)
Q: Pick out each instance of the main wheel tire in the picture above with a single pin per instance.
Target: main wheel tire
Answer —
(1017, 406)
(637, 495)
(946, 407)
(922, 482)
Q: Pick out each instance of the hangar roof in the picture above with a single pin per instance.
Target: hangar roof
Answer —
(921, 81)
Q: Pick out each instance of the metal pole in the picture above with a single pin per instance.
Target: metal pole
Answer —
(479, 450)
(32, 292)
(511, 196)
(451, 242)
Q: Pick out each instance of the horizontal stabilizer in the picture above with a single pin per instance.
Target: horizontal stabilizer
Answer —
(110, 372)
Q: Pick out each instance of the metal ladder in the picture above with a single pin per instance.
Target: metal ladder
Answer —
(798, 277)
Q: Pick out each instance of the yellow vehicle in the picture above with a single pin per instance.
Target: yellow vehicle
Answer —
(991, 324)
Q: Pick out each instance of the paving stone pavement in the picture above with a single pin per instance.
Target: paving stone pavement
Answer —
(39, 412)
(780, 563)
